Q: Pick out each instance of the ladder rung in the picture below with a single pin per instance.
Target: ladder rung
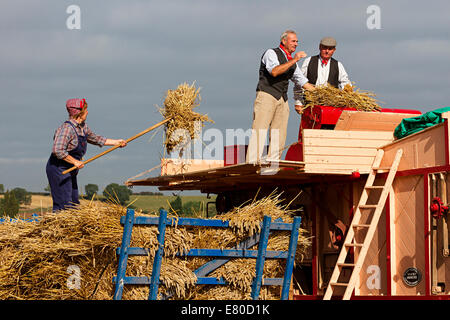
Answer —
(375, 187)
(381, 168)
(361, 225)
(339, 284)
(354, 245)
(368, 206)
(346, 265)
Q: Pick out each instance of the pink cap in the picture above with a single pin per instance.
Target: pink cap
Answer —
(74, 106)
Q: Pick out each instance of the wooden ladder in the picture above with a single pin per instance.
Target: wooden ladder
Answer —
(362, 209)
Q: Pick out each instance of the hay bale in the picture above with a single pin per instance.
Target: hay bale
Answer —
(178, 106)
(350, 97)
(39, 253)
(35, 256)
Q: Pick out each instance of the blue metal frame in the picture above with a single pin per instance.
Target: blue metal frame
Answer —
(262, 248)
(153, 295)
(222, 256)
(123, 256)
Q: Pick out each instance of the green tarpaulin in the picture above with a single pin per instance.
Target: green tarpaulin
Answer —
(415, 124)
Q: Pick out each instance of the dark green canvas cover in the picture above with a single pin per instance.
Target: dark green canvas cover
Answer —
(415, 124)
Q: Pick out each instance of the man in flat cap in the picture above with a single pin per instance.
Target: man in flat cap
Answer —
(322, 68)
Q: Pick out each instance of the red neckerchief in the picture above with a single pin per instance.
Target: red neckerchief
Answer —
(288, 55)
(325, 61)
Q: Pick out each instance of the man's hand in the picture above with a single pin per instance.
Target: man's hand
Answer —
(116, 142)
(308, 86)
(300, 55)
(78, 164)
(282, 68)
(122, 143)
(299, 109)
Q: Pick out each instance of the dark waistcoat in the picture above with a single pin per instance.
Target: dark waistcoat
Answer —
(333, 77)
(275, 86)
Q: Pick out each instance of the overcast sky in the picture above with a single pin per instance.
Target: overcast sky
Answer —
(127, 54)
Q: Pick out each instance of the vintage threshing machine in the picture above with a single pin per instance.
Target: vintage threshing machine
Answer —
(375, 206)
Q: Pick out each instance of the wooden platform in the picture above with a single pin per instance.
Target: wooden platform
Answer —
(225, 178)
(326, 153)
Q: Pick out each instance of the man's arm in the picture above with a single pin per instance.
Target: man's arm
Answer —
(308, 86)
(298, 90)
(77, 163)
(301, 83)
(114, 142)
(282, 68)
(298, 103)
(343, 76)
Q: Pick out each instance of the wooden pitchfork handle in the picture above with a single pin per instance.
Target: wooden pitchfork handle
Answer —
(115, 147)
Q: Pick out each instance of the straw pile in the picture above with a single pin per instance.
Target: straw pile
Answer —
(36, 258)
(350, 97)
(178, 106)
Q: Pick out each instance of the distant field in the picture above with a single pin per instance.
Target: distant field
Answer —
(146, 203)
(37, 201)
(153, 203)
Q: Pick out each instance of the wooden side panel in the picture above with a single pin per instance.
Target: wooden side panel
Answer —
(423, 149)
(409, 246)
(331, 151)
(177, 166)
(376, 121)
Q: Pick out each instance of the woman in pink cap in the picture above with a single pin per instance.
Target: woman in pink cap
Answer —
(69, 146)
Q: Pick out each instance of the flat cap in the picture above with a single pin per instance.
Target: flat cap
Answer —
(74, 106)
(328, 41)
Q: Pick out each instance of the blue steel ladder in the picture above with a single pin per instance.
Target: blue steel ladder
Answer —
(221, 256)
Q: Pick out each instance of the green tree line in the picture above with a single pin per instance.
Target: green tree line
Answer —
(12, 199)
(190, 208)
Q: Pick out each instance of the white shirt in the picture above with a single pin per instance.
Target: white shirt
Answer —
(323, 72)
(270, 60)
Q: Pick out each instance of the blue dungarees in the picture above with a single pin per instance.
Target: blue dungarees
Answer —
(64, 188)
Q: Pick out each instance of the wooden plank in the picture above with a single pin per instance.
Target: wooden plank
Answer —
(344, 151)
(423, 149)
(175, 166)
(344, 143)
(336, 134)
(327, 167)
(349, 161)
(377, 121)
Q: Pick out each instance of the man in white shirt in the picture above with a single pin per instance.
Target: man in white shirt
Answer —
(271, 108)
(323, 69)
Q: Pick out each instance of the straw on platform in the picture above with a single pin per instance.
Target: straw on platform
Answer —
(350, 96)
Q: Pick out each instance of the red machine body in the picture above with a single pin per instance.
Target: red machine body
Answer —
(325, 117)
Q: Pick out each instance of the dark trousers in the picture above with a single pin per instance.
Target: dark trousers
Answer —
(64, 188)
